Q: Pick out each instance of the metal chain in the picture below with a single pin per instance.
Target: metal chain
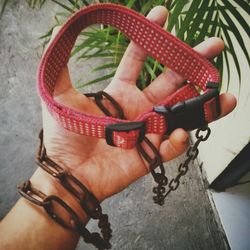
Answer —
(70, 220)
(201, 134)
(86, 199)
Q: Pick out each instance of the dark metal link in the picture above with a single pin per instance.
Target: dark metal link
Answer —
(174, 184)
(154, 162)
(160, 177)
(50, 209)
(192, 153)
(159, 189)
(183, 168)
(99, 96)
(30, 193)
(197, 142)
(204, 137)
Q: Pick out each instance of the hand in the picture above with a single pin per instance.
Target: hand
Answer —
(106, 170)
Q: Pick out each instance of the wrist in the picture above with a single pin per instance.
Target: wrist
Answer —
(51, 186)
(65, 210)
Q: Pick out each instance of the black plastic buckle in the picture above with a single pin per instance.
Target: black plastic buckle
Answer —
(189, 114)
(124, 127)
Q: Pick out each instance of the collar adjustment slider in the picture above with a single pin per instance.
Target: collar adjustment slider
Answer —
(113, 130)
(189, 114)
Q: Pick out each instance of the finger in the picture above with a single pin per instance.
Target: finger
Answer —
(134, 57)
(63, 83)
(228, 103)
(169, 81)
(177, 142)
(210, 48)
(175, 145)
(53, 35)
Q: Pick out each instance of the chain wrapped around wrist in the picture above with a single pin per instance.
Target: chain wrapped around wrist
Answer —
(86, 199)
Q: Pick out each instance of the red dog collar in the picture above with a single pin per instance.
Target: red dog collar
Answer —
(185, 108)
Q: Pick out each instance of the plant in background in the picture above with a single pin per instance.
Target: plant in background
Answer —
(191, 20)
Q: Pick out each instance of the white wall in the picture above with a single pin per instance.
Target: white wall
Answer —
(233, 207)
(232, 133)
(229, 136)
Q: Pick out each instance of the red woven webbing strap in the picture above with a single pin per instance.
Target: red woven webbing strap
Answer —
(158, 43)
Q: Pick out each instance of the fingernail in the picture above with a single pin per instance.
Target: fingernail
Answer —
(186, 139)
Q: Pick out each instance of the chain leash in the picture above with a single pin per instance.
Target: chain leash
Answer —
(202, 134)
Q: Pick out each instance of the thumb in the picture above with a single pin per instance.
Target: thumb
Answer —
(175, 145)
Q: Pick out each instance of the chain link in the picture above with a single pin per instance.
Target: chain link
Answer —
(101, 96)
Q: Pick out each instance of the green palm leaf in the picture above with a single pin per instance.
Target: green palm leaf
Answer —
(236, 33)
(69, 9)
(243, 4)
(97, 80)
(178, 7)
(196, 23)
(36, 3)
(233, 10)
(231, 49)
(3, 6)
(204, 31)
(188, 18)
(225, 54)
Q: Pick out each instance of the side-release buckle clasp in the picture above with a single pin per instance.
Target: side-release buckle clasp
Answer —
(190, 114)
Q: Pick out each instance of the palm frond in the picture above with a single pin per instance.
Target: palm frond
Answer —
(234, 11)
(231, 50)
(203, 32)
(97, 80)
(3, 6)
(225, 55)
(244, 4)
(176, 13)
(70, 9)
(221, 18)
(236, 33)
(199, 18)
(188, 18)
(36, 3)
(105, 66)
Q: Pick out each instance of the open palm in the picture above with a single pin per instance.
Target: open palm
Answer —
(104, 169)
